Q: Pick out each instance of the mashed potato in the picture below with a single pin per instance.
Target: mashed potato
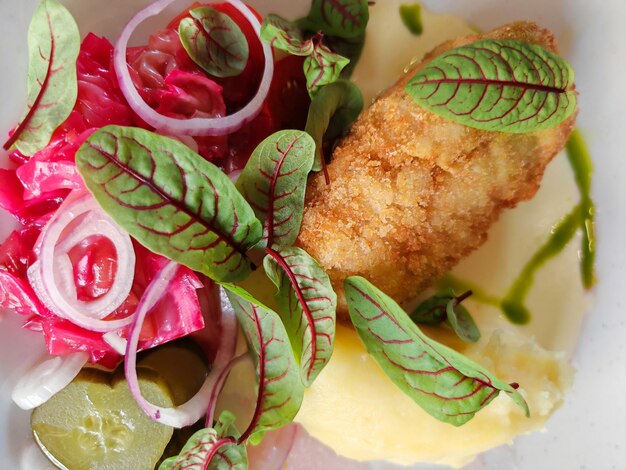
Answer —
(355, 409)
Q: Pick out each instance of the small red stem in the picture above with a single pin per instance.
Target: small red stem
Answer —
(325, 169)
(259, 398)
(272, 192)
(296, 288)
(215, 449)
(31, 112)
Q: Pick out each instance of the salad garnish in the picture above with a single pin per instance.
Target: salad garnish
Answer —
(52, 275)
(280, 389)
(198, 126)
(200, 404)
(171, 200)
(333, 110)
(321, 65)
(306, 304)
(214, 42)
(446, 307)
(53, 44)
(446, 384)
(340, 18)
(212, 448)
(274, 182)
(497, 85)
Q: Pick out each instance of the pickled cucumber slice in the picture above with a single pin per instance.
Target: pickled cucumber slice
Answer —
(182, 365)
(95, 424)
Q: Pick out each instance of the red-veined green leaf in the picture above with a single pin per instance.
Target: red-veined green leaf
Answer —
(350, 48)
(280, 390)
(285, 35)
(212, 449)
(274, 183)
(171, 200)
(307, 305)
(342, 18)
(53, 44)
(498, 85)
(333, 110)
(214, 42)
(322, 67)
(445, 306)
(446, 384)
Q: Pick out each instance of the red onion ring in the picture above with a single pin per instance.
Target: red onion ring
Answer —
(47, 378)
(191, 411)
(51, 275)
(193, 126)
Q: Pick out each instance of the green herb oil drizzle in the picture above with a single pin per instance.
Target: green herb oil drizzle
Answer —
(513, 303)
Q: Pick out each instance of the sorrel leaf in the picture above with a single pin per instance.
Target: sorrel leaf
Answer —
(171, 200)
(333, 110)
(350, 48)
(307, 305)
(342, 18)
(274, 183)
(280, 390)
(214, 42)
(322, 67)
(53, 45)
(446, 307)
(285, 35)
(446, 384)
(459, 318)
(497, 85)
(216, 446)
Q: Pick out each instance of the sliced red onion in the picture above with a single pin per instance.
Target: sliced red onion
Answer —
(191, 411)
(219, 385)
(192, 126)
(47, 378)
(113, 339)
(51, 276)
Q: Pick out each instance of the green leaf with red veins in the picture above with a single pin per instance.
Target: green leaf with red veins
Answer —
(280, 389)
(214, 42)
(322, 67)
(53, 45)
(446, 384)
(350, 48)
(285, 35)
(333, 110)
(446, 306)
(343, 18)
(307, 305)
(497, 85)
(216, 446)
(171, 200)
(274, 183)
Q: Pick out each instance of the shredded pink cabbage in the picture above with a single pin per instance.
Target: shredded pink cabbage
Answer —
(32, 191)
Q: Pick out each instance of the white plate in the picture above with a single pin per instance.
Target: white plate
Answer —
(586, 432)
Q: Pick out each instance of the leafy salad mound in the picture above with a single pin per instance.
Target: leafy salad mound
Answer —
(135, 231)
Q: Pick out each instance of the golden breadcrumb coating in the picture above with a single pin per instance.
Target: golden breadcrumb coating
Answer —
(412, 193)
